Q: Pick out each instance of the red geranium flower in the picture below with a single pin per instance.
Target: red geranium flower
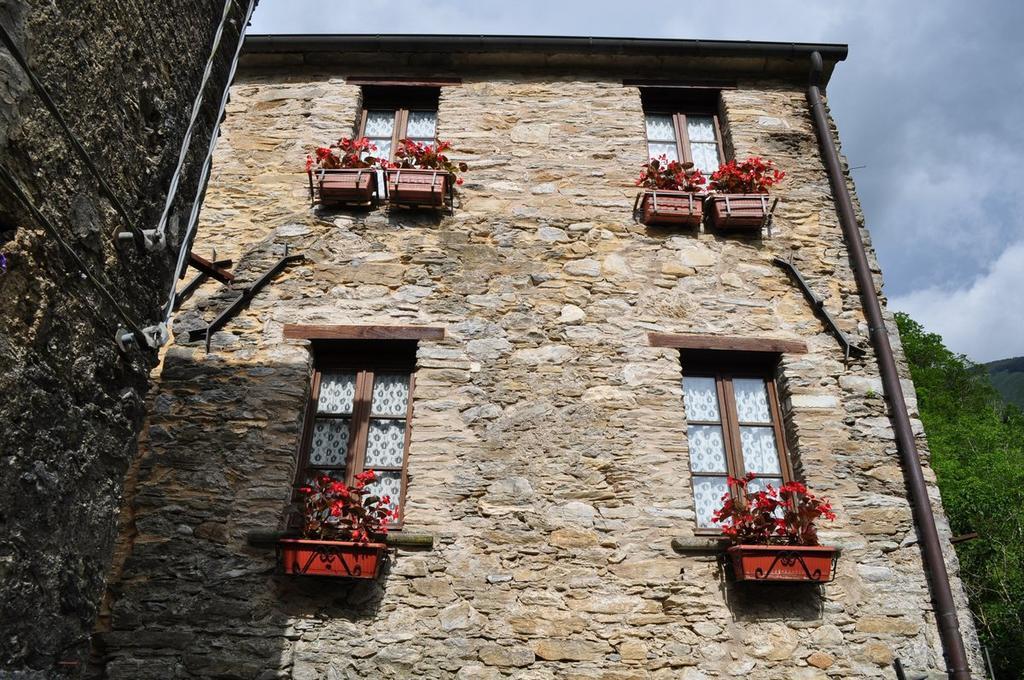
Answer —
(785, 515)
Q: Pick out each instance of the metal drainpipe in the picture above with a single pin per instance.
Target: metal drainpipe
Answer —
(934, 564)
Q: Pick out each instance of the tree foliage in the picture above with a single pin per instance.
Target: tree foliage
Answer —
(977, 446)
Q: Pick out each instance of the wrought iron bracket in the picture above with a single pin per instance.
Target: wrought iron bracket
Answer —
(901, 673)
(818, 305)
(769, 215)
(242, 300)
(217, 266)
(636, 207)
(211, 269)
(788, 558)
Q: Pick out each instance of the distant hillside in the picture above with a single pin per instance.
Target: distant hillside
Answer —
(1008, 378)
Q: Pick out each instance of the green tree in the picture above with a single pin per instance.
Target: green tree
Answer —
(977, 447)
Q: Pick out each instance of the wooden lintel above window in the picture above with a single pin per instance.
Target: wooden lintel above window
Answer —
(683, 84)
(411, 81)
(294, 331)
(727, 343)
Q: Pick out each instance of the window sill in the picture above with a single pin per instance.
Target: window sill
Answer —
(710, 545)
(400, 539)
(699, 545)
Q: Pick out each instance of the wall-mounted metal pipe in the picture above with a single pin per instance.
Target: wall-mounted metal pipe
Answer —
(931, 550)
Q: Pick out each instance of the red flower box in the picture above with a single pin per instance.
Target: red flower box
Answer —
(343, 186)
(814, 564)
(418, 187)
(667, 208)
(738, 211)
(345, 559)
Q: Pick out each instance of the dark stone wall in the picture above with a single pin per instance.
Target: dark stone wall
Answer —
(125, 74)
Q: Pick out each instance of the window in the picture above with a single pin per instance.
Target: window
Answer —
(683, 127)
(358, 415)
(733, 426)
(391, 113)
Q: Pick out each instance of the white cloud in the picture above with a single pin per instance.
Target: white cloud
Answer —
(984, 320)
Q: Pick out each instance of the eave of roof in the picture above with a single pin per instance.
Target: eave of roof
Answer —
(263, 44)
(743, 56)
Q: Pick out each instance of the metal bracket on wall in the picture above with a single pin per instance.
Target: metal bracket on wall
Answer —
(769, 216)
(212, 268)
(242, 300)
(901, 673)
(819, 307)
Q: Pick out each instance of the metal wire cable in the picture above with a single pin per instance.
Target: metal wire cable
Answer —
(22, 196)
(186, 242)
(79, 149)
(172, 190)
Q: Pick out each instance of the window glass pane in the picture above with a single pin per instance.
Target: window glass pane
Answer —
(380, 123)
(657, 150)
(759, 453)
(387, 484)
(701, 399)
(707, 449)
(329, 445)
(385, 444)
(422, 126)
(705, 157)
(751, 400)
(390, 394)
(383, 149)
(707, 495)
(700, 128)
(660, 129)
(337, 392)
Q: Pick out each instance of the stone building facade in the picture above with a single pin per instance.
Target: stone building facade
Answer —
(550, 524)
(124, 76)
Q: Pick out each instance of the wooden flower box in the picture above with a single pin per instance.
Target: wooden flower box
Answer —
(812, 564)
(671, 208)
(343, 187)
(738, 211)
(303, 557)
(418, 188)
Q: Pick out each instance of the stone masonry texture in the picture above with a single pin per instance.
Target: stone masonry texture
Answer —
(549, 453)
(124, 74)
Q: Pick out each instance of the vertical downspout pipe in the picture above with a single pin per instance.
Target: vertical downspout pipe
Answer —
(934, 564)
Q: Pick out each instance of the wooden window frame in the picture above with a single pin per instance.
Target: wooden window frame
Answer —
(723, 373)
(366, 360)
(682, 135)
(402, 99)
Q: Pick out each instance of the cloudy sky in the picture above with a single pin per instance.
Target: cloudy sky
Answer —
(930, 105)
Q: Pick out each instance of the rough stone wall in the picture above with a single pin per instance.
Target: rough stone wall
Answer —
(124, 74)
(548, 455)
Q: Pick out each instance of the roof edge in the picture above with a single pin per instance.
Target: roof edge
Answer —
(399, 43)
